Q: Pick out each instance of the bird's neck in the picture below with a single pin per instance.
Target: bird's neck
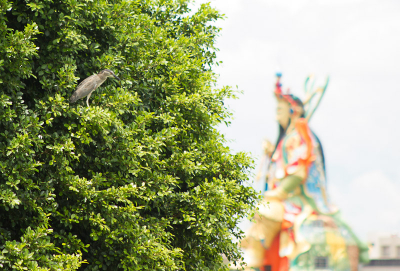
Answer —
(102, 77)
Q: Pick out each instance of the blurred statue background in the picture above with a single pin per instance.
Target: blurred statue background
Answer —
(296, 226)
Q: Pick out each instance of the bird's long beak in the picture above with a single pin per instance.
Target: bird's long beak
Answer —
(116, 77)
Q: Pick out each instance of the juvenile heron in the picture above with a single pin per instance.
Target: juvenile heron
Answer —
(90, 84)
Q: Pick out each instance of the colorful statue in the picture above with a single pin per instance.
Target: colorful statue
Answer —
(296, 226)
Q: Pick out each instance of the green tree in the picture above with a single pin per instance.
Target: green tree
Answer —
(140, 180)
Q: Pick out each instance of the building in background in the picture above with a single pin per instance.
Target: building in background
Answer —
(384, 252)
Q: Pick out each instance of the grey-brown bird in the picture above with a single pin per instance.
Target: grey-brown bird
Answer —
(90, 84)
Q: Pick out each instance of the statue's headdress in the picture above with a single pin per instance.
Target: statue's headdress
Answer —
(313, 97)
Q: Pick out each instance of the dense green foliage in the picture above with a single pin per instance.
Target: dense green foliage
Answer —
(140, 180)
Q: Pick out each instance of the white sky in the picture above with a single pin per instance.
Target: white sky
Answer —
(357, 43)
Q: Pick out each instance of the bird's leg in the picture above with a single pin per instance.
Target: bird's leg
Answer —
(87, 99)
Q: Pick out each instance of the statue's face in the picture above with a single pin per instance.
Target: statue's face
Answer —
(283, 113)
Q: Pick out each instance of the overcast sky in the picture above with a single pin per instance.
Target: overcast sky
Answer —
(356, 43)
